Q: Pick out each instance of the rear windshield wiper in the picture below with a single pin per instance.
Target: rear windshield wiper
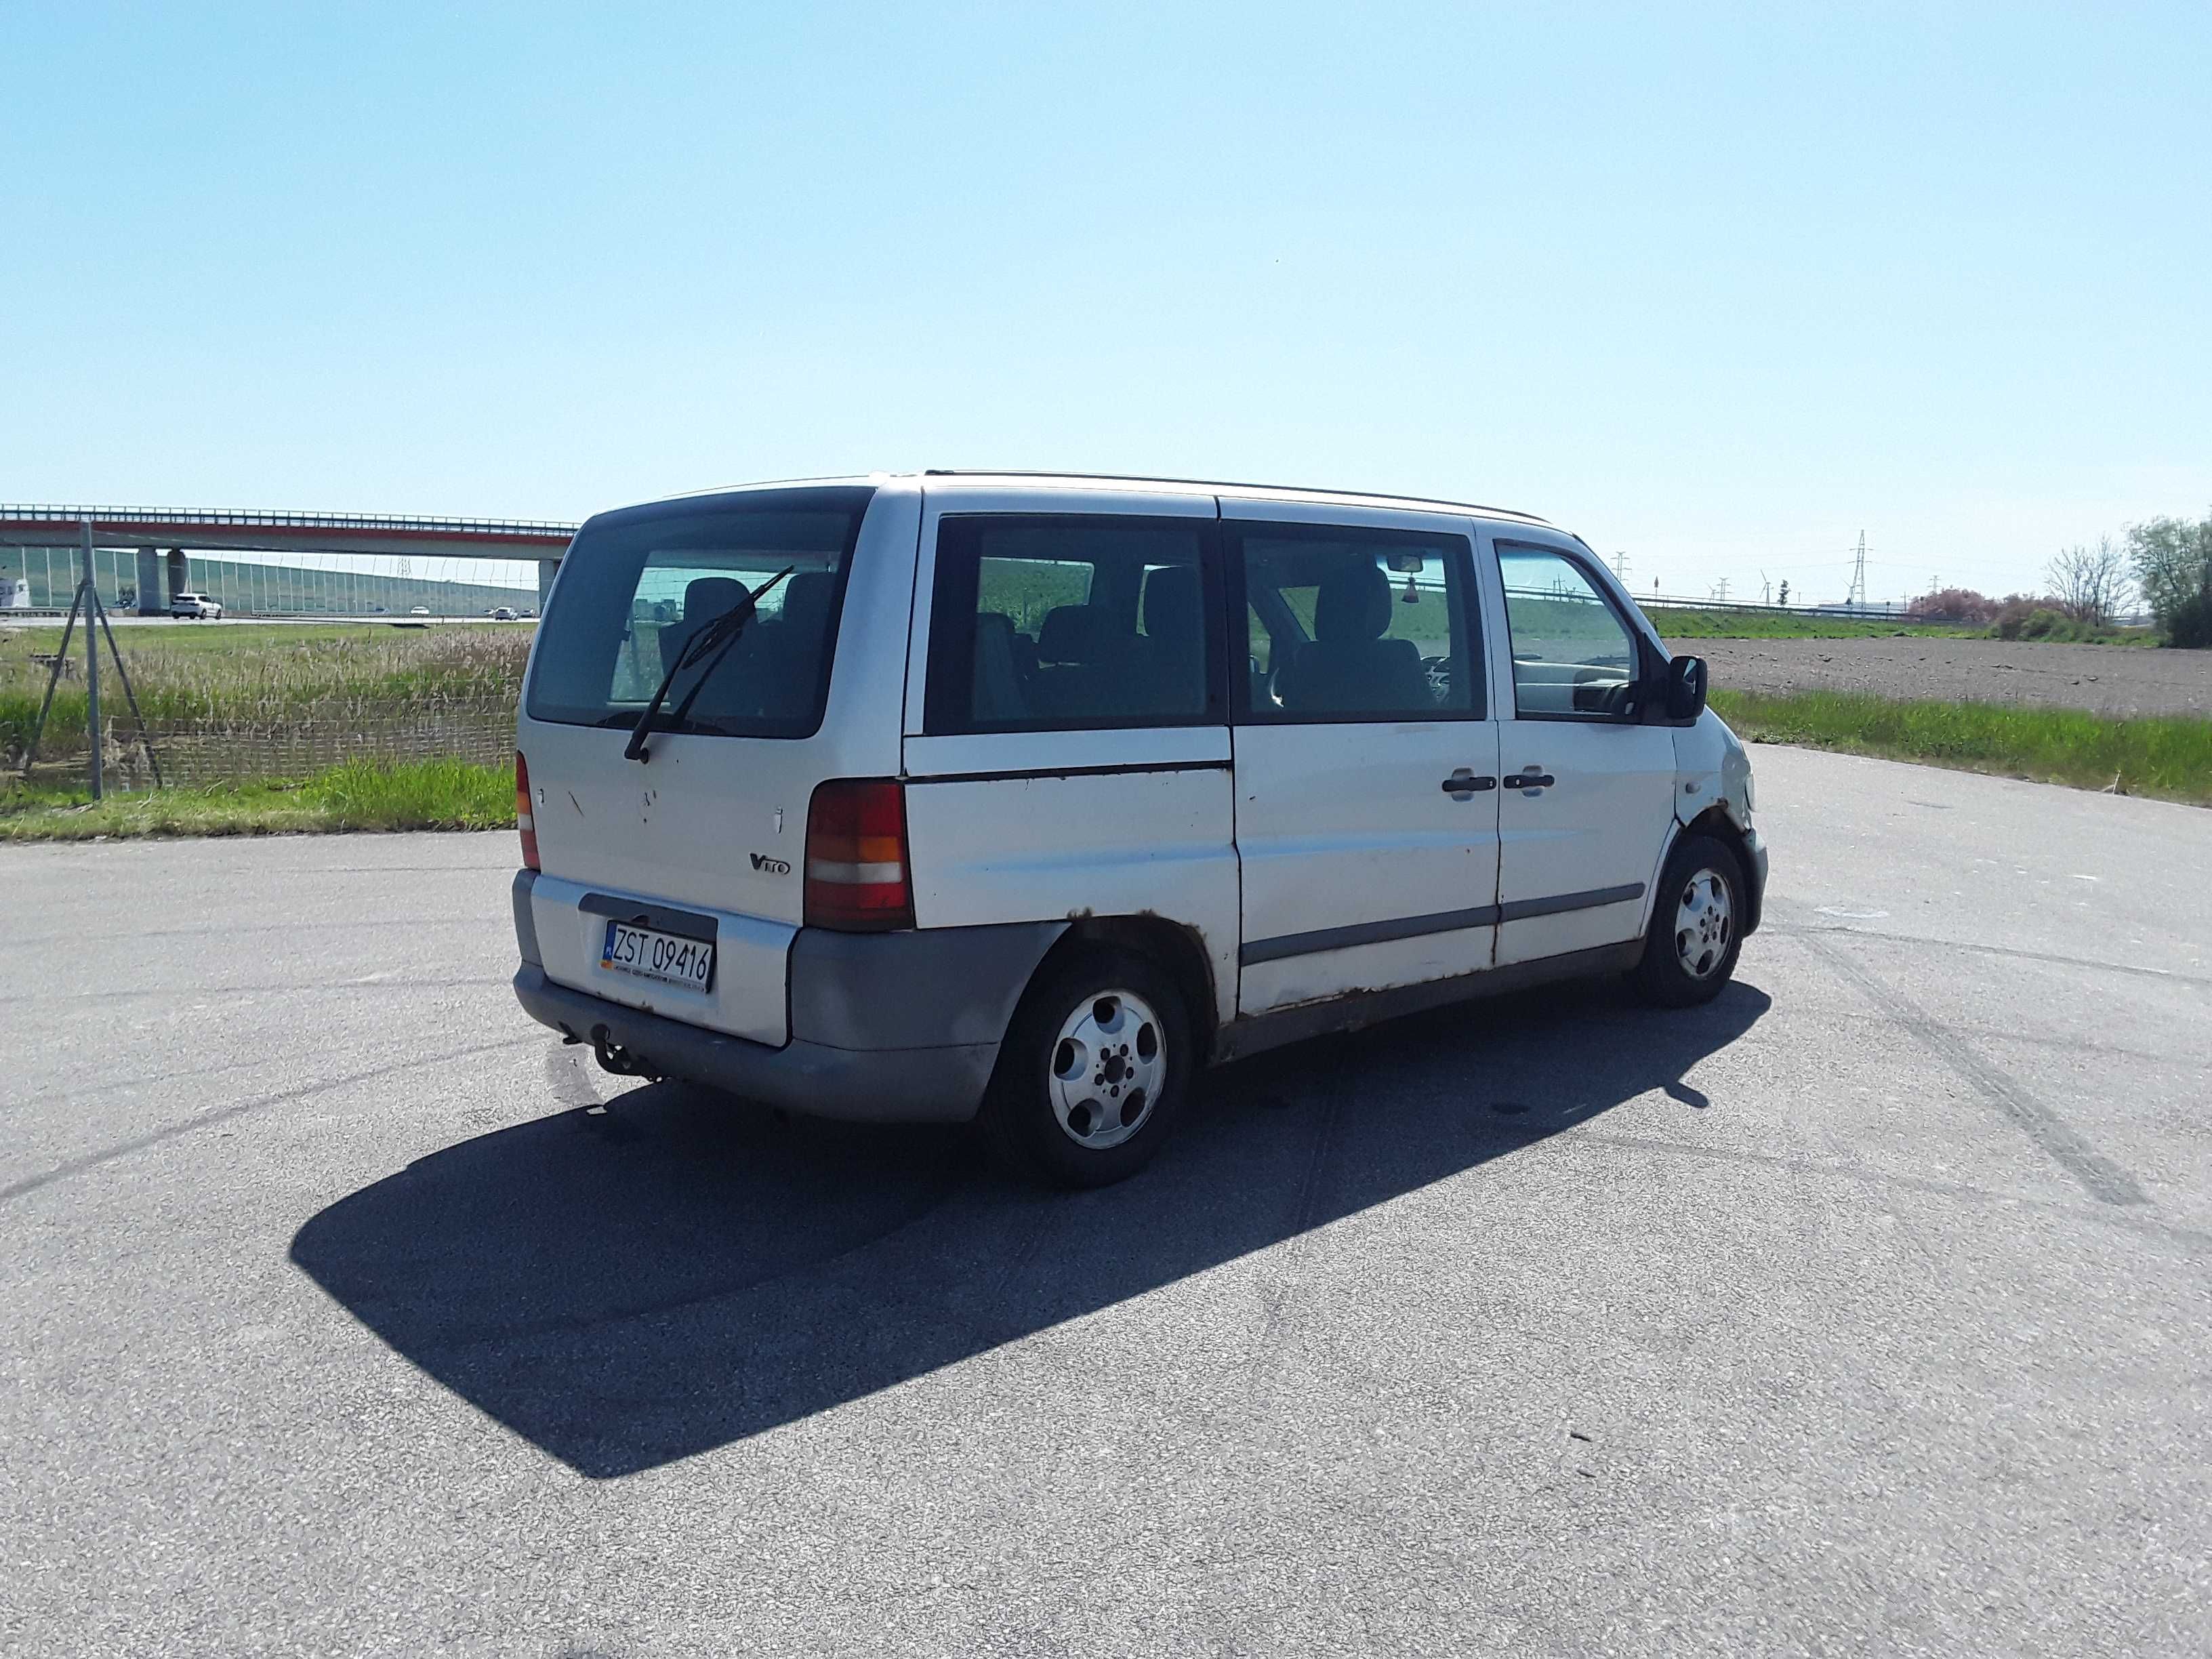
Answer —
(708, 647)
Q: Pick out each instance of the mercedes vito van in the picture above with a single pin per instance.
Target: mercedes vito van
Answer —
(948, 796)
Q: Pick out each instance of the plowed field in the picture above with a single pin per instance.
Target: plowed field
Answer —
(2117, 680)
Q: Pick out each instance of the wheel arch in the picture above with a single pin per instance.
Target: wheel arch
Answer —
(1177, 948)
(1715, 821)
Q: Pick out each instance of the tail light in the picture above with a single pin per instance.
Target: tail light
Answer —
(523, 821)
(857, 874)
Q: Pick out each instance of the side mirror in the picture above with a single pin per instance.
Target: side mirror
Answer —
(1685, 689)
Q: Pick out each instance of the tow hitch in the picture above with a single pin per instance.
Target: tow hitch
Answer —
(613, 1057)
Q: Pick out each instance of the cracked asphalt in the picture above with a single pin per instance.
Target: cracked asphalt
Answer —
(1867, 1310)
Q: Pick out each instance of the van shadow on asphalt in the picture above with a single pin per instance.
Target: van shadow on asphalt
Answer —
(630, 1285)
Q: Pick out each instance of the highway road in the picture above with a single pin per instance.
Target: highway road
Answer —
(1868, 1310)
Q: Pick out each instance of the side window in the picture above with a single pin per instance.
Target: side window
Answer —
(1345, 624)
(1572, 653)
(1024, 590)
(1259, 657)
(1062, 621)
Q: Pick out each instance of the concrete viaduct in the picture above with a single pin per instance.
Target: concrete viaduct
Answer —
(161, 531)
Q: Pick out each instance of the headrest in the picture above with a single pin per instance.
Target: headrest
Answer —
(1353, 602)
(706, 598)
(1174, 603)
(1075, 633)
(806, 596)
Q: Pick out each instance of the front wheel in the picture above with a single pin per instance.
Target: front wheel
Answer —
(1094, 1066)
(1697, 920)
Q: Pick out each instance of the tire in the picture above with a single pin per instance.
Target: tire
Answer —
(1101, 1027)
(1697, 920)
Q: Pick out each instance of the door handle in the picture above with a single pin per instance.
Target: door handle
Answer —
(1530, 780)
(1463, 785)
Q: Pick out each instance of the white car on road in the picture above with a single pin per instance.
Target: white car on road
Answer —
(1027, 797)
(195, 607)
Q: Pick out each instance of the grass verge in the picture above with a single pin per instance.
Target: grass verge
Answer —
(432, 794)
(2166, 757)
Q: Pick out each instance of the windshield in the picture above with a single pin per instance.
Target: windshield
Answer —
(636, 585)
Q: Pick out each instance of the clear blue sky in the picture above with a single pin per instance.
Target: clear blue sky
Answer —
(1719, 286)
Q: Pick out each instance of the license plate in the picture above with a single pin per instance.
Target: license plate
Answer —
(665, 956)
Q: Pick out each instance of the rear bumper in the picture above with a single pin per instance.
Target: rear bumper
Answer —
(885, 1028)
(868, 1085)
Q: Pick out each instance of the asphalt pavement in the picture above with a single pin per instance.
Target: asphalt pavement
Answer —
(1869, 1309)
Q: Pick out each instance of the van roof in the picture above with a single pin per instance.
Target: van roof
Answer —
(1165, 486)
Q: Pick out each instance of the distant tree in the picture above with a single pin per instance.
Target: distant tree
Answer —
(1785, 595)
(2090, 583)
(2173, 567)
(1954, 605)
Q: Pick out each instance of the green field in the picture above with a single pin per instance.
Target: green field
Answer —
(225, 675)
(1784, 625)
(217, 639)
(249, 685)
(2170, 756)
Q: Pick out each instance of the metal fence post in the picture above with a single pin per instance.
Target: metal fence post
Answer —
(91, 656)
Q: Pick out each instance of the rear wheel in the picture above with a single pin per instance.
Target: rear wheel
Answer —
(1690, 950)
(1094, 1066)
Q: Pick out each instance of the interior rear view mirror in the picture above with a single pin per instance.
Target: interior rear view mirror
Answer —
(1686, 687)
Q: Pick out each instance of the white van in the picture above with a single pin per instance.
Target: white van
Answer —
(948, 795)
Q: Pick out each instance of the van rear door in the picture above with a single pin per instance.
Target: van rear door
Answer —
(700, 842)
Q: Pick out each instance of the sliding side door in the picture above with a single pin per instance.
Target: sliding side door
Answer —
(1366, 758)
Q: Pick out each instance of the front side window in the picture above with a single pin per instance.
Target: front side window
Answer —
(1056, 622)
(1572, 654)
(637, 585)
(1349, 624)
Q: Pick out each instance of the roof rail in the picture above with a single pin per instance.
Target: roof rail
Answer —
(1217, 483)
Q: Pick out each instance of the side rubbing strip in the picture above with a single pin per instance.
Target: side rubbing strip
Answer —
(1365, 933)
(1442, 922)
(1518, 910)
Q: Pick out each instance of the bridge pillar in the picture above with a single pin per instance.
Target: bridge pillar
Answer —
(545, 569)
(150, 602)
(180, 577)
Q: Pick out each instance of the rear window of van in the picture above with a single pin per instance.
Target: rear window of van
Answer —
(637, 585)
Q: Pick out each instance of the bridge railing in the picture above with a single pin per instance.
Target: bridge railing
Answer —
(55, 512)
